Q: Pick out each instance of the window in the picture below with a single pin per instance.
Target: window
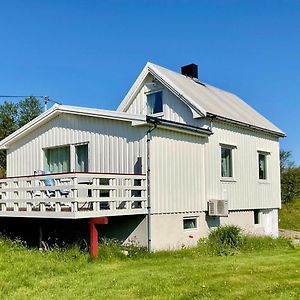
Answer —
(262, 166)
(81, 156)
(189, 223)
(57, 160)
(66, 158)
(154, 103)
(226, 161)
(256, 216)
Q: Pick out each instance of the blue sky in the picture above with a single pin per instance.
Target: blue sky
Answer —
(88, 53)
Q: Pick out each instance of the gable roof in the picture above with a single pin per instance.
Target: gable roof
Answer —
(56, 110)
(135, 120)
(203, 99)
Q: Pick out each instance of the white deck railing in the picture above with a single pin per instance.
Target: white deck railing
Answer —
(73, 195)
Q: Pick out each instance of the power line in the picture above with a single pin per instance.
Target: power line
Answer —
(45, 98)
(21, 96)
(52, 100)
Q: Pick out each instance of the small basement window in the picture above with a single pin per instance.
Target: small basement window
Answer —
(256, 216)
(189, 223)
(154, 103)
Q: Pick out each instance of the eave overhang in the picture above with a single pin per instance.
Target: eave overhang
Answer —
(171, 125)
(245, 125)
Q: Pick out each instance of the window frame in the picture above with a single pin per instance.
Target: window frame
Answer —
(44, 161)
(232, 149)
(187, 219)
(72, 156)
(75, 154)
(266, 155)
(157, 114)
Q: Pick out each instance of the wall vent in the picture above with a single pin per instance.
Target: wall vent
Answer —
(218, 208)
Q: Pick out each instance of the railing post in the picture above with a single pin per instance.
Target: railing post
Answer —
(74, 206)
(27, 194)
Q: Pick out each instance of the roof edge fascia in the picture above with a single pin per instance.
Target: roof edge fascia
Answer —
(246, 125)
(54, 110)
(134, 89)
(60, 109)
(177, 126)
(150, 69)
(196, 109)
(101, 113)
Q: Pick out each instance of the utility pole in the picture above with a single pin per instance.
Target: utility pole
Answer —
(46, 98)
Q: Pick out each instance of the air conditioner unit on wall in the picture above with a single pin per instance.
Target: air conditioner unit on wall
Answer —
(218, 208)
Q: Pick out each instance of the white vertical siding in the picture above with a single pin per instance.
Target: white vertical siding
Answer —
(185, 169)
(114, 146)
(174, 109)
(246, 191)
(139, 105)
(177, 172)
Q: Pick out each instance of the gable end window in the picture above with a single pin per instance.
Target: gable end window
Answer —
(154, 103)
(262, 166)
(226, 162)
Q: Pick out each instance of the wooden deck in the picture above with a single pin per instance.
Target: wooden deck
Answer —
(73, 195)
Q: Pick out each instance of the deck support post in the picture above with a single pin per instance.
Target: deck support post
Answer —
(94, 234)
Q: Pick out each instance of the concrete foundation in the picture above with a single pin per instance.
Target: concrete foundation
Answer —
(168, 230)
(128, 229)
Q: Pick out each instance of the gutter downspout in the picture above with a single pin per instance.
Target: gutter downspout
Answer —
(148, 189)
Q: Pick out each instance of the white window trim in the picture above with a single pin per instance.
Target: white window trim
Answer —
(159, 114)
(73, 151)
(259, 224)
(266, 154)
(233, 149)
(154, 90)
(43, 156)
(72, 154)
(190, 218)
(72, 157)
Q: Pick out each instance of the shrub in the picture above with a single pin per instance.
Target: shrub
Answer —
(224, 240)
(229, 240)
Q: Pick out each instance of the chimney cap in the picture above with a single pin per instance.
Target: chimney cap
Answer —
(190, 70)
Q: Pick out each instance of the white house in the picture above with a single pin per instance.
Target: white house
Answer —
(177, 158)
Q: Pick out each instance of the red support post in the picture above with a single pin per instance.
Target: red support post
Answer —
(94, 234)
(93, 240)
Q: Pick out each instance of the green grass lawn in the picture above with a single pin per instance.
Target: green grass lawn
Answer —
(289, 216)
(185, 274)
